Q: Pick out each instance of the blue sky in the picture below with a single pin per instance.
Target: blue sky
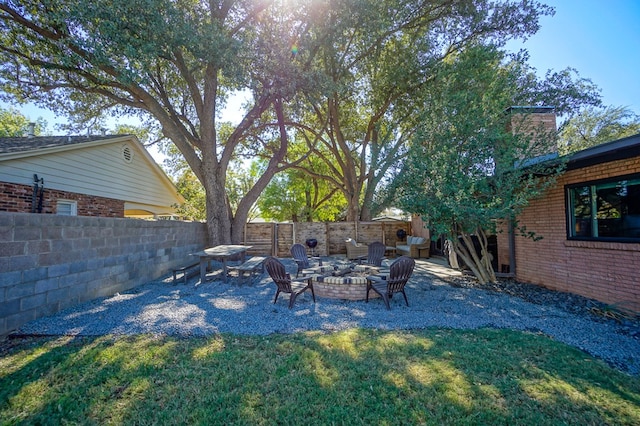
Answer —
(599, 38)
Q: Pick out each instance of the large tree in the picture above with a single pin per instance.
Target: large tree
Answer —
(473, 162)
(373, 57)
(171, 61)
(175, 62)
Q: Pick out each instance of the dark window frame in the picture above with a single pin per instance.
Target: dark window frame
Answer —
(569, 209)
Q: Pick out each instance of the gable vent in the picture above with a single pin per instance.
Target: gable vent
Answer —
(127, 153)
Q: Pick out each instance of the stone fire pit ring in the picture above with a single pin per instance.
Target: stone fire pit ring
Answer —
(342, 281)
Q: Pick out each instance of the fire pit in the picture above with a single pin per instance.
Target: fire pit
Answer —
(342, 281)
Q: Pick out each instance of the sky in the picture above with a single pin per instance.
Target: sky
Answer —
(599, 38)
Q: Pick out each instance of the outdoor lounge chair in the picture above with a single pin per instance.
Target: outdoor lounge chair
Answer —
(284, 283)
(414, 247)
(375, 254)
(299, 254)
(355, 250)
(399, 274)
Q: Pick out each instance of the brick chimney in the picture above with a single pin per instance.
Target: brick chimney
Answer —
(539, 122)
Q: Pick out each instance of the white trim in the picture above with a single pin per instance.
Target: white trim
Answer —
(70, 207)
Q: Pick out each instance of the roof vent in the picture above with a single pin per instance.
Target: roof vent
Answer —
(31, 130)
(127, 153)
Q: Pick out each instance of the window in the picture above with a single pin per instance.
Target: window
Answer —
(607, 210)
(66, 208)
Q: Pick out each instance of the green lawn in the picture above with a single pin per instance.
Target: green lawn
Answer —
(358, 376)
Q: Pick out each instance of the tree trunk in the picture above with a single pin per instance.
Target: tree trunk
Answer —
(353, 208)
(480, 265)
(365, 210)
(308, 206)
(218, 213)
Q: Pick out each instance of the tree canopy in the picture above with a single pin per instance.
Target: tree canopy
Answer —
(342, 73)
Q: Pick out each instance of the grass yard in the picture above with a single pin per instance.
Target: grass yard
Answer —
(435, 376)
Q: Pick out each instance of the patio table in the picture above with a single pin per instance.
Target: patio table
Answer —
(222, 252)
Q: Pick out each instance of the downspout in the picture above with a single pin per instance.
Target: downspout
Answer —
(512, 250)
(38, 194)
(511, 242)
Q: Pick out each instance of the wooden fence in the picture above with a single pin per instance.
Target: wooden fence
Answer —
(276, 239)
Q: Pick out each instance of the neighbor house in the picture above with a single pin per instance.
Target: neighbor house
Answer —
(590, 228)
(108, 176)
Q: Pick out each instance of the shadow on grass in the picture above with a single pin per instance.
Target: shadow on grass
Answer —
(351, 377)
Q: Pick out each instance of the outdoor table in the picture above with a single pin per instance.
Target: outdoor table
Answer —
(223, 252)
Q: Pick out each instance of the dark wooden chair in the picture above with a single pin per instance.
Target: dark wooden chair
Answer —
(299, 254)
(399, 274)
(375, 254)
(284, 283)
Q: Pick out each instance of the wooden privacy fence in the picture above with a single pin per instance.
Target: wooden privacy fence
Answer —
(275, 239)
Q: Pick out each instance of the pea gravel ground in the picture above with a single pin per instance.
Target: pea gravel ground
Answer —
(438, 297)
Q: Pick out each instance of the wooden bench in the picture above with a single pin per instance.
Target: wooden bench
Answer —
(187, 272)
(255, 264)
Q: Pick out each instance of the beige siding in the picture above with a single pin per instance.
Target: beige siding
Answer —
(96, 170)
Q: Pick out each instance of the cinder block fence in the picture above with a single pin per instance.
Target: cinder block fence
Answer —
(50, 262)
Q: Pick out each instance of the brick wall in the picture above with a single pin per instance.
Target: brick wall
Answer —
(343, 291)
(609, 272)
(50, 262)
(18, 198)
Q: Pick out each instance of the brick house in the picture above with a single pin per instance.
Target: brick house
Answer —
(590, 228)
(107, 176)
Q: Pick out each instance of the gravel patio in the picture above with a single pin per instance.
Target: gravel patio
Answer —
(438, 297)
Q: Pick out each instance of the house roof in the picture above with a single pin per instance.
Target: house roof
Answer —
(611, 151)
(36, 143)
(388, 219)
(620, 149)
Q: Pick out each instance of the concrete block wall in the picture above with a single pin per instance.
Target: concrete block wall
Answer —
(609, 272)
(49, 262)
